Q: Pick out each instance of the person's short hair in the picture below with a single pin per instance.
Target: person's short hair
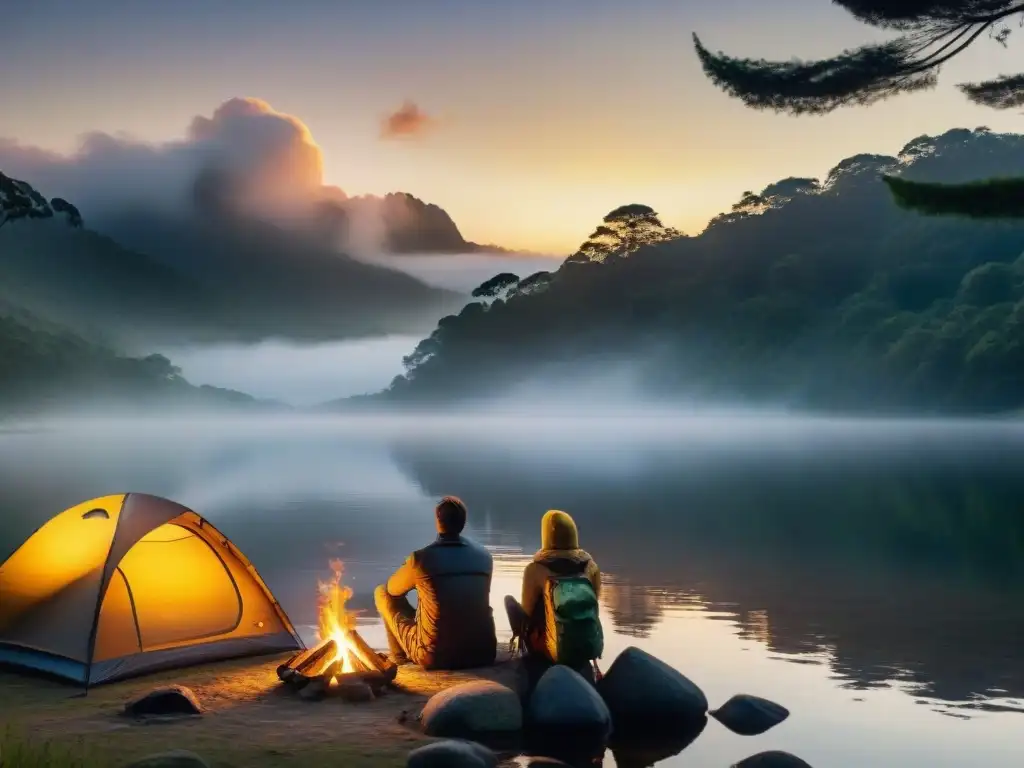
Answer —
(451, 515)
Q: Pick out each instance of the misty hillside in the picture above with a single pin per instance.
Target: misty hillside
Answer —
(199, 278)
(46, 367)
(80, 278)
(810, 293)
(271, 282)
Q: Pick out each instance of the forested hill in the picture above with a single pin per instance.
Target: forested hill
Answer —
(814, 293)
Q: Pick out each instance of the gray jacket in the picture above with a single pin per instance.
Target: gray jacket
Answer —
(455, 623)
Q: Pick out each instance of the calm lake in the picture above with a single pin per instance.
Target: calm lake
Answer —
(867, 575)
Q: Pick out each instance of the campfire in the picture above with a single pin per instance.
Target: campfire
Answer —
(341, 663)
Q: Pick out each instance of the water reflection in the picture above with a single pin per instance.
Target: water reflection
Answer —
(894, 568)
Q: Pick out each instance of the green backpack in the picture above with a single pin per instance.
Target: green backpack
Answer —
(574, 635)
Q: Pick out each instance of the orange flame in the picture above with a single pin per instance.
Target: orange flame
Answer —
(334, 621)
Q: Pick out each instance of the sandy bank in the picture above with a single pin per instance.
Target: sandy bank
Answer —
(251, 719)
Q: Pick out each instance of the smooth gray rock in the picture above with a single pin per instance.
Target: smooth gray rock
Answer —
(772, 759)
(176, 758)
(168, 700)
(647, 696)
(476, 708)
(750, 715)
(566, 718)
(452, 754)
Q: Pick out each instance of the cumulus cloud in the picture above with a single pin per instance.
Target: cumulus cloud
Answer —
(270, 158)
(408, 121)
(245, 155)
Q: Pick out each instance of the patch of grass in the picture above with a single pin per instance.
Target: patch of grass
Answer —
(19, 751)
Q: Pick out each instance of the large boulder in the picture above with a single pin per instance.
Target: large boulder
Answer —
(750, 715)
(452, 754)
(176, 758)
(566, 718)
(473, 710)
(773, 758)
(647, 697)
(169, 700)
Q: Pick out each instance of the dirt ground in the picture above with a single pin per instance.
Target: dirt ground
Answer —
(251, 721)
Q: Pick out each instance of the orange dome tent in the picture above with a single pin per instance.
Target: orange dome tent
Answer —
(123, 585)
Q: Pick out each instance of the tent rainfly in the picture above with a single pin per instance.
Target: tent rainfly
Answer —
(128, 584)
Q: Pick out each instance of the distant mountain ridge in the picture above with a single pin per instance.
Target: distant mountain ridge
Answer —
(408, 225)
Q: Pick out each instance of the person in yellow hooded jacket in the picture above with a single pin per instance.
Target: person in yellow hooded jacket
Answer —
(534, 619)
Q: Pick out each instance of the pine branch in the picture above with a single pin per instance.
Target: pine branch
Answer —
(862, 76)
(1004, 92)
(935, 32)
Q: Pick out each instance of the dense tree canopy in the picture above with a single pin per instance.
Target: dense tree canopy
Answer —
(930, 33)
(823, 294)
(45, 366)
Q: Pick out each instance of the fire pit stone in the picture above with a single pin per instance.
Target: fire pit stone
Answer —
(355, 691)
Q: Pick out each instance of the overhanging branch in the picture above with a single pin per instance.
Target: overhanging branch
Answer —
(989, 199)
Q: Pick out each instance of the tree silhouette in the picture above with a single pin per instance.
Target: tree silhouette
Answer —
(496, 287)
(60, 205)
(19, 200)
(931, 33)
(623, 231)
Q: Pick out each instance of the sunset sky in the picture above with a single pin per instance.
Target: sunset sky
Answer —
(526, 121)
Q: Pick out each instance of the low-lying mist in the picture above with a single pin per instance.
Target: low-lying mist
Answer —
(463, 271)
(294, 373)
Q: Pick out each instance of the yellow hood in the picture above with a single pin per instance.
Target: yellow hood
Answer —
(558, 531)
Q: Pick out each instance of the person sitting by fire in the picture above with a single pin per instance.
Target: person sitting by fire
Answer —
(453, 624)
(558, 620)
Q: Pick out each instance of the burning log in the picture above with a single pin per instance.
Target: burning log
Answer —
(370, 658)
(343, 665)
(307, 664)
(286, 670)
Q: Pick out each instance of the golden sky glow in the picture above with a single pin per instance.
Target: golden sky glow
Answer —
(546, 118)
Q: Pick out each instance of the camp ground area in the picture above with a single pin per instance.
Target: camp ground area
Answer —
(128, 593)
